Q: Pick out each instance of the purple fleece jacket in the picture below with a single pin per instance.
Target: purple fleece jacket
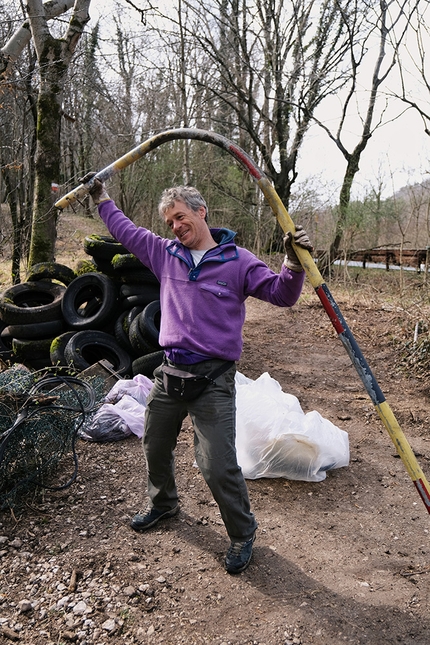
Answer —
(203, 307)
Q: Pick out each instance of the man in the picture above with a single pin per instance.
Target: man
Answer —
(205, 279)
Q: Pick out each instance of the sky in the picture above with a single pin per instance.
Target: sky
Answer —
(399, 152)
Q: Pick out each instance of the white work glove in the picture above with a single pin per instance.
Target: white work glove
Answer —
(98, 191)
(300, 238)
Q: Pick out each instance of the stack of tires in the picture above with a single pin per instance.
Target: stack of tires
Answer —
(111, 312)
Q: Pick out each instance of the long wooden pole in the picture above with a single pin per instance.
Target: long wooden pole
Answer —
(344, 333)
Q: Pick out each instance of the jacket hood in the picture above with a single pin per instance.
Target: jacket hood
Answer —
(222, 235)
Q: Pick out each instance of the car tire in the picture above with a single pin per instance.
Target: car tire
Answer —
(147, 364)
(90, 302)
(51, 271)
(121, 331)
(126, 264)
(57, 347)
(85, 348)
(103, 247)
(32, 352)
(140, 344)
(149, 322)
(31, 302)
(47, 329)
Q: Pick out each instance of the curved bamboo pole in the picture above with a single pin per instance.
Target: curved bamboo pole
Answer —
(386, 415)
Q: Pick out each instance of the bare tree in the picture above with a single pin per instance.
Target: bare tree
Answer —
(53, 55)
(131, 102)
(416, 54)
(17, 150)
(17, 145)
(385, 25)
(289, 58)
(268, 64)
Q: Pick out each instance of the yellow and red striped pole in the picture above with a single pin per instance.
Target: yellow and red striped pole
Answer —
(344, 333)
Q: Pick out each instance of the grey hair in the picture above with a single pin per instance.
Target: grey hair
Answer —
(187, 194)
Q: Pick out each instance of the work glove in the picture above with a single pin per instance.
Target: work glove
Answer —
(97, 191)
(300, 237)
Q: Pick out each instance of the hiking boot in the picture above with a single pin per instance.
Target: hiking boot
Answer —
(239, 556)
(150, 517)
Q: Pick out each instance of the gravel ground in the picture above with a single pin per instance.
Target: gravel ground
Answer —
(345, 560)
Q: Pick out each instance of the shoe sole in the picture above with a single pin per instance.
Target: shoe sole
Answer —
(233, 572)
(144, 527)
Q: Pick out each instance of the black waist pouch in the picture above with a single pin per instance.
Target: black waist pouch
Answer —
(185, 386)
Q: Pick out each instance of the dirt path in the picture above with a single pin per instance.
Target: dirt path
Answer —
(346, 560)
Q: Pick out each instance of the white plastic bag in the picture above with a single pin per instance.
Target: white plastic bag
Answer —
(131, 412)
(138, 387)
(122, 413)
(275, 438)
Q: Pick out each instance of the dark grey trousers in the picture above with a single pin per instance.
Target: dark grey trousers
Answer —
(213, 415)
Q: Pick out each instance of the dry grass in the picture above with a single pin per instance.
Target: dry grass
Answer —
(72, 230)
(406, 295)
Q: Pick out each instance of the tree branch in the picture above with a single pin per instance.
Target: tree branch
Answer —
(12, 50)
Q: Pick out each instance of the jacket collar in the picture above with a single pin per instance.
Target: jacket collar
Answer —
(226, 249)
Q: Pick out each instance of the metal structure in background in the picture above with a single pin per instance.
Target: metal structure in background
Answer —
(383, 409)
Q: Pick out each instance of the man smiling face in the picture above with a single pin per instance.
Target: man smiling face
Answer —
(189, 226)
